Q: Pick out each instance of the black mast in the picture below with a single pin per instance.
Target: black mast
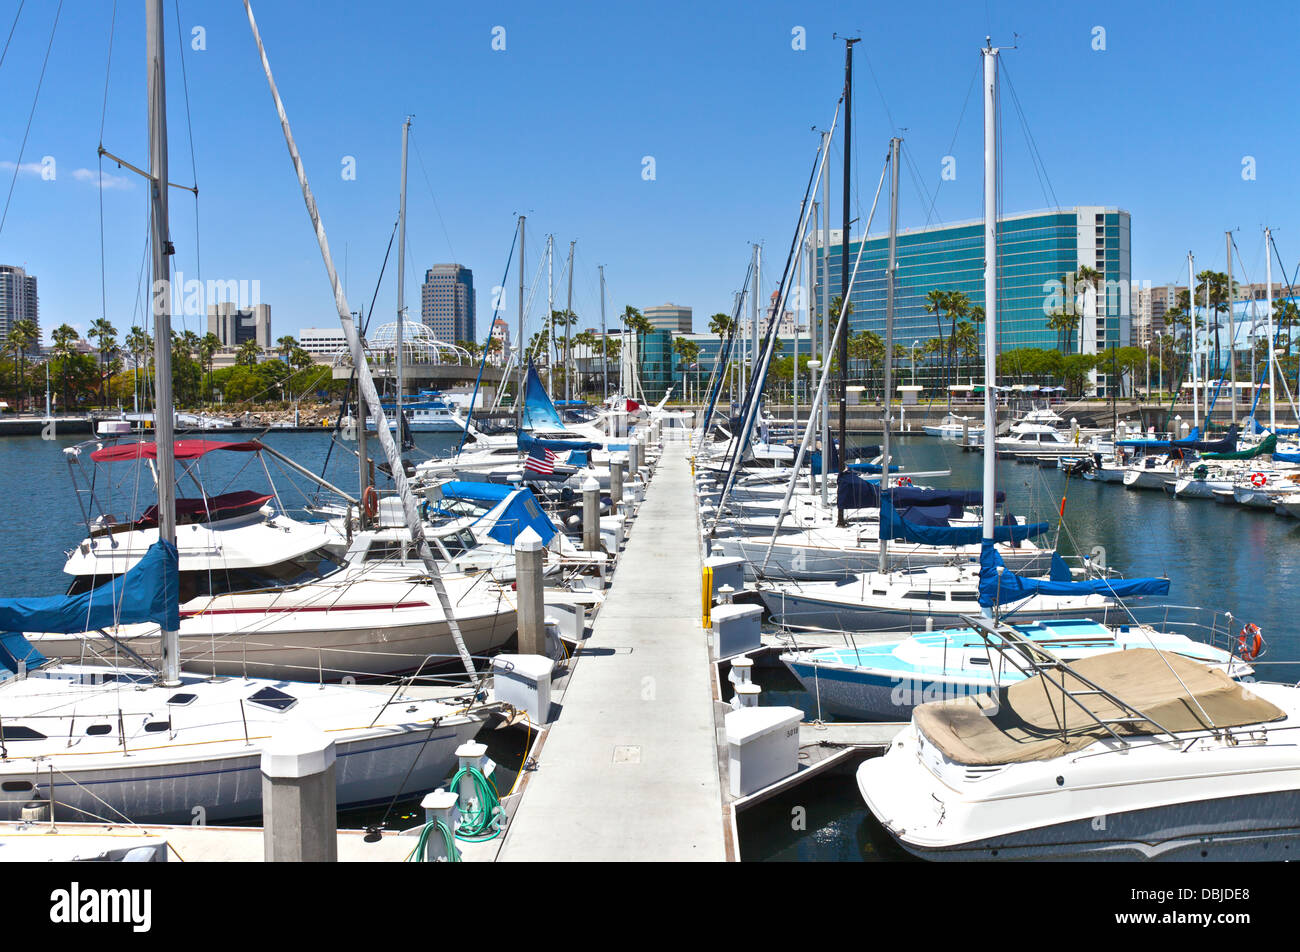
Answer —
(844, 273)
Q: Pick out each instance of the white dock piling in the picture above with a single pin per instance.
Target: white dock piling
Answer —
(299, 800)
(615, 484)
(529, 552)
(591, 515)
(441, 805)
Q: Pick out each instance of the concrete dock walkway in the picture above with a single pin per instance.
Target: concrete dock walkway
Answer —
(630, 770)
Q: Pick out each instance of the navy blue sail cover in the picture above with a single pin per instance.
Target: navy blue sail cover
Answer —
(1006, 586)
(527, 443)
(894, 526)
(858, 492)
(148, 591)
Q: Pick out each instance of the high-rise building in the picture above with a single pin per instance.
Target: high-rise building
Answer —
(1035, 249)
(447, 302)
(670, 317)
(18, 300)
(235, 326)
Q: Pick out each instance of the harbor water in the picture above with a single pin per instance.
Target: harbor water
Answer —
(1225, 558)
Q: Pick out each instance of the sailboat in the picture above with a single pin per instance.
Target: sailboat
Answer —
(155, 743)
(1134, 754)
(862, 683)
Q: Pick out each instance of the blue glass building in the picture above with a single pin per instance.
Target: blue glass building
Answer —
(1034, 250)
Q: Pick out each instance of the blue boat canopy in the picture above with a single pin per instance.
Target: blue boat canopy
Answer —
(518, 512)
(148, 591)
(484, 492)
(16, 650)
(1006, 586)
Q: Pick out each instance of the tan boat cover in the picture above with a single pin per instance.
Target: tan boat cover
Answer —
(1035, 721)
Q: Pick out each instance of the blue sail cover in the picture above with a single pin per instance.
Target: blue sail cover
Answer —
(1286, 457)
(857, 492)
(538, 410)
(1191, 442)
(15, 650)
(148, 591)
(893, 526)
(528, 443)
(488, 493)
(520, 512)
(870, 467)
(998, 588)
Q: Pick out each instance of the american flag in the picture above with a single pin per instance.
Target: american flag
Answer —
(540, 460)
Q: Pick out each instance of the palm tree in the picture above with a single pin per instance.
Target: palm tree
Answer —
(560, 320)
(1217, 282)
(65, 348)
(958, 307)
(103, 331)
(1286, 316)
(208, 348)
(638, 324)
(936, 302)
(22, 335)
(1064, 321)
(248, 353)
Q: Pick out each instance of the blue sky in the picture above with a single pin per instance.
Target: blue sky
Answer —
(556, 127)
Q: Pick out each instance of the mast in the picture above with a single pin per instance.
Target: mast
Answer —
(519, 387)
(1268, 304)
(758, 311)
(1191, 349)
(160, 242)
(828, 452)
(826, 324)
(1232, 333)
(401, 274)
(604, 350)
(568, 328)
(890, 279)
(550, 309)
(990, 54)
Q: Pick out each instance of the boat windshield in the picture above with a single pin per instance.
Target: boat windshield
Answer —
(308, 567)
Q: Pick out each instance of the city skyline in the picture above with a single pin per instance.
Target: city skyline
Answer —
(676, 227)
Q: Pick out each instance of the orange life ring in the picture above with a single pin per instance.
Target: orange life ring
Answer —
(1250, 643)
(370, 501)
(1258, 479)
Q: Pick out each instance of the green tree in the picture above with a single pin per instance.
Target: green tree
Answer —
(105, 334)
(1217, 284)
(23, 335)
(248, 353)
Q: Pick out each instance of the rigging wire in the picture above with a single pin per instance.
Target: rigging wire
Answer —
(428, 184)
(39, 82)
(1035, 156)
(952, 144)
(189, 128)
(103, 115)
(5, 51)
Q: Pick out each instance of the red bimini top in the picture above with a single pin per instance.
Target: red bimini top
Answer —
(184, 449)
